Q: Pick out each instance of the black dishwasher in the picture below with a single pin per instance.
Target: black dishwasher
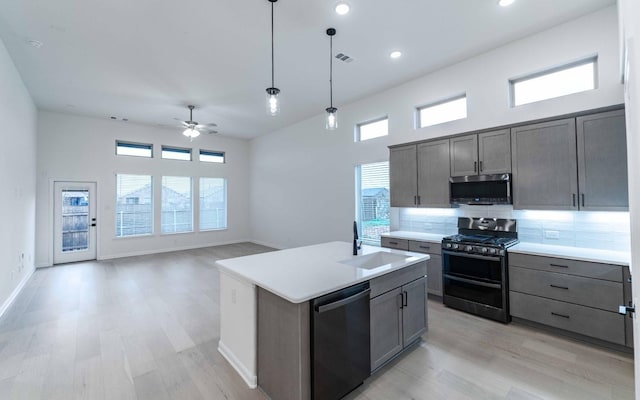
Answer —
(340, 342)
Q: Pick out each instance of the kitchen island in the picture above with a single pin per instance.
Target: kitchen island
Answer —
(265, 308)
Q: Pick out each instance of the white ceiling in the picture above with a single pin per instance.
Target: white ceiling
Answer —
(145, 60)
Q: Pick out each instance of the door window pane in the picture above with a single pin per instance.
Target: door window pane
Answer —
(213, 203)
(134, 205)
(373, 201)
(75, 220)
(177, 210)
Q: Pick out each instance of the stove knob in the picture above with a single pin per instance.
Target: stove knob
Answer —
(448, 245)
(492, 251)
(484, 250)
(455, 246)
(468, 248)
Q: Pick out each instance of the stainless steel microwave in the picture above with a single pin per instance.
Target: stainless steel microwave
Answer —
(480, 189)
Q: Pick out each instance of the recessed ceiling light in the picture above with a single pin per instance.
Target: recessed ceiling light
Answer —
(395, 54)
(342, 8)
(505, 3)
(35, 43)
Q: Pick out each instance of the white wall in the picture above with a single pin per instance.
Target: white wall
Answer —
(17, 175)
(83, 149)
(303, 176)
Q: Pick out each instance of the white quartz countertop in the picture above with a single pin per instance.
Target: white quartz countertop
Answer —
(576, 253)
(425, 237)
(303, 273)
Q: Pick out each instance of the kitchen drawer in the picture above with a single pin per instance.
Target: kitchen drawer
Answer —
(586, 321)
(395, 279)
(567, 266)
(393, 243)
(424, 247)
(605, 295)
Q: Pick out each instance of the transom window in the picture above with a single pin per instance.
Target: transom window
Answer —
(212, 156)
(176, 153)
(556, 82)
(372, 129)
(134, 149)
(443, 111)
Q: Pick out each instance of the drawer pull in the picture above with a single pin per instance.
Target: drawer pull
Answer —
(560, 315)
(425, 247)
(393, 243)
(559, 287)
(559, 266)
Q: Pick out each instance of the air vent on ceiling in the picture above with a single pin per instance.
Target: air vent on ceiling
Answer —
(344, 57)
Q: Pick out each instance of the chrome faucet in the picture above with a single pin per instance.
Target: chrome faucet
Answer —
(356, 243)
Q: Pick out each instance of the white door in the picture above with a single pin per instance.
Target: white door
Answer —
(74, 237)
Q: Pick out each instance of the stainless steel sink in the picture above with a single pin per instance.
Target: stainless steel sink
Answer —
(375, 260)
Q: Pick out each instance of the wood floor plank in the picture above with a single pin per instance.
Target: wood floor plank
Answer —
(147, 327)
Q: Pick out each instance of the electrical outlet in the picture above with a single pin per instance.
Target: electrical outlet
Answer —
(552, 234)
(233, 296)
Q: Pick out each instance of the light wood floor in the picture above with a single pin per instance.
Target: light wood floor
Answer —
(147, 328)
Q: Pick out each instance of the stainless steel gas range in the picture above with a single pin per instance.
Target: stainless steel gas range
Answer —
(474, 266)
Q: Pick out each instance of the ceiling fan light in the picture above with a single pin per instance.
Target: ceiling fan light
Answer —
(273, 103)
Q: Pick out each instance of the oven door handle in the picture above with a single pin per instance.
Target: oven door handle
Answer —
(473, 282)
(478, 256)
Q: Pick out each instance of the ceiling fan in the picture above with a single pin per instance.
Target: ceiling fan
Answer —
(193, 129)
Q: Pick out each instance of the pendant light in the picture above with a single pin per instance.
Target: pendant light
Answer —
(273, 104)
(332, 112)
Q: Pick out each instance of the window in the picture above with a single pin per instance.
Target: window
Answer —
(372, 193)
(443, 111)
(134, 205)
(176, 153)
(568, 79)
(134, 149)
(212, 156)
(213, 203)
(373, 129)
(177, 207)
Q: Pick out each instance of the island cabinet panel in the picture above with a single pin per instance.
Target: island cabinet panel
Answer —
(398, 310)
(284, 356)
(386, 327)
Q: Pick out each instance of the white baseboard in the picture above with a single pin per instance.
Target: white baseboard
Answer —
(250, 379)
(168, 249)
(16, 292)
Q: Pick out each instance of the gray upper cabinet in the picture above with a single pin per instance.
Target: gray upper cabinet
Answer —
(545, 166)
(464, 155)
(433, 174)
(484, 153)
(403, 178)
(602, 162)
(494, 152)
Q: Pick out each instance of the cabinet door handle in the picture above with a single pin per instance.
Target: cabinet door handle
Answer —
(415, 200)
(559, 287)
(558, 266)
(574, 199)
(406, 298)
(582, 195)
(401, 300)
(480, 166)
(418, 199)
(475, 166)
(560, 315)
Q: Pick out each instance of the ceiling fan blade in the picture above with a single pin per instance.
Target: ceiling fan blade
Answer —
(211, 124)
(212, 132)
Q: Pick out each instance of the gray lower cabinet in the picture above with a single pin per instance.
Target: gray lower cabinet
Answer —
(576, 296)
(419, 175)
(545, 166)
(434, 265)
(602, 162)
(398, 316)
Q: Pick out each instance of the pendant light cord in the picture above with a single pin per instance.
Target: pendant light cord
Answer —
(331, 71)
(272, 53)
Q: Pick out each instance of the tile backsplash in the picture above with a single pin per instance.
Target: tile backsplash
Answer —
(600, 230)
